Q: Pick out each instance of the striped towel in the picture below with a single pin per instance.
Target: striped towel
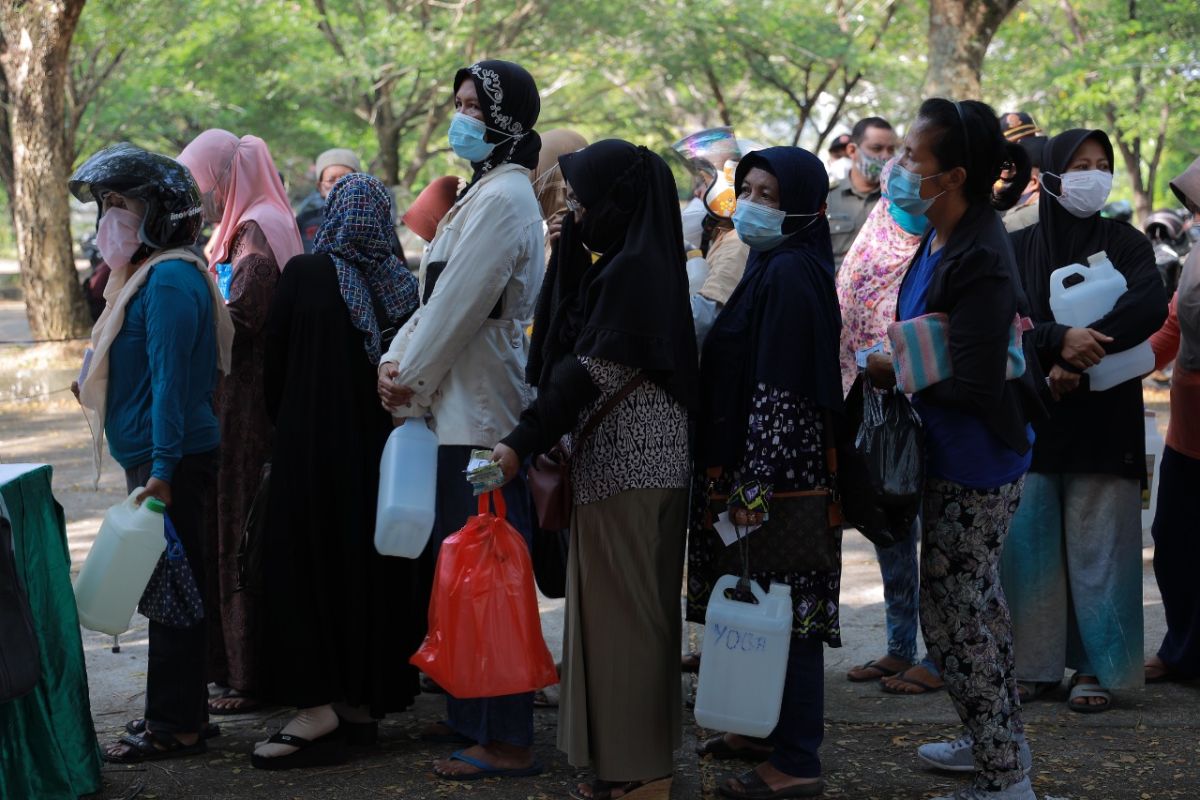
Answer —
(921, 350)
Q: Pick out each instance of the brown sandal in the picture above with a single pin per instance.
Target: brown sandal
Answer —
(720, 749)
(909, 685)
(653, 789)
(872, 671)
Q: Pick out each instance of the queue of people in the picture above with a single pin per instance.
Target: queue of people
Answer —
(552, 305)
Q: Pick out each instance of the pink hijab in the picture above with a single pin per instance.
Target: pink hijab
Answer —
(242, 177)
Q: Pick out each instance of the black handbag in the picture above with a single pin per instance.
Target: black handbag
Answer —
(20, 657)
(802, 533)
(250, 550)
(549, 474)
(172, 597)
(549, 556)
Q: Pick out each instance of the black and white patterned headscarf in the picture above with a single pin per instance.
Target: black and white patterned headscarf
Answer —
(510, 102)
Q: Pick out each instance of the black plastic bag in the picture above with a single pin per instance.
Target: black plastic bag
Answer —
(250, 550)
(882, 470)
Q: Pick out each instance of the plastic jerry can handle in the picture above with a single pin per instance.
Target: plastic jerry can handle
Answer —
(1063, 273)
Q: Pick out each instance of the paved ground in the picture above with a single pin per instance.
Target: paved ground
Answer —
(1148, 747)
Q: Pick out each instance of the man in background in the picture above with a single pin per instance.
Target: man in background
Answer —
(872, 144)
(332, 166)
(1019, 128)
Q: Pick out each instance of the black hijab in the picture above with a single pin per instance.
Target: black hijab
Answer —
(1061, 238)
(782, 323)
(631, 306)
(511, 103)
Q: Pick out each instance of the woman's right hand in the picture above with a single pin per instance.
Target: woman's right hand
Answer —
(392, 394)
(1084, 347)
(1061, 382)
(554, 227)
(881, 371)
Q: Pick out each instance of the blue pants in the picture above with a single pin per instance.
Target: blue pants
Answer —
(1176, 556)
(801, 728)
(901, 598)
(506, 719)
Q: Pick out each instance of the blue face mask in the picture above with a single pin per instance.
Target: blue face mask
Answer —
(761, 226)
(904, 186)
(466, 138)
(910, 223)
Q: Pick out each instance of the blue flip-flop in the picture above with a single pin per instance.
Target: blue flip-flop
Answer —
(487, 770)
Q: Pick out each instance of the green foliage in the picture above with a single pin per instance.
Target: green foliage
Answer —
(1128, 68)
(375, 75)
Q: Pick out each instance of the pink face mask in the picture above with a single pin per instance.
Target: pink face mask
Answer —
(117, 236)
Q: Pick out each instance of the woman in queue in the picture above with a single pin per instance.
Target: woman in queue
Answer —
(614, 361)
(978, 430)
(460, 360)
(1176, 548)
(868, 287)
(770, 387)
(243, 196)
(148, 386)
(340, 620)
(1073, 566)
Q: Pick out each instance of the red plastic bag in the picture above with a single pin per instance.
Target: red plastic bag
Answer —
(485, 636)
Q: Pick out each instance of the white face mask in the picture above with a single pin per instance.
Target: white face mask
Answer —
(1084, 193)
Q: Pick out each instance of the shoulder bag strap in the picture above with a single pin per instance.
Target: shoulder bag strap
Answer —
(606, 409)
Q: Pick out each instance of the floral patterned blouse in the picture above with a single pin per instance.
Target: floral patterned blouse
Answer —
(784, 453)
(868, 284)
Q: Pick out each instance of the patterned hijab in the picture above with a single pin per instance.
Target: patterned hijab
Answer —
(357, 235)
(868, 283)
(511, 103)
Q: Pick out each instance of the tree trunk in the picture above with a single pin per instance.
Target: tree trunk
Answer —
(387, 134)
(37, 38)
(959, 34)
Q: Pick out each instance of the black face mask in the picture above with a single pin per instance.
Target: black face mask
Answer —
(604, 228)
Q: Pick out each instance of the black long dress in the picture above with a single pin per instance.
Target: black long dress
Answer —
(340, 620)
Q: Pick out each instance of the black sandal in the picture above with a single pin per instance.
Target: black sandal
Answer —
(750, 786)
(324, 751)
(151, 746)
(137, 726)
(721, 750)
(652, 789)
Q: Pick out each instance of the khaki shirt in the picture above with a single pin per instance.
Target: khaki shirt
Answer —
(1022, 216)
(726, 258)
(847, 212)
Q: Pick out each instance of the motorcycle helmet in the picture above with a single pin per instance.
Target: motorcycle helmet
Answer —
(173, 212)
(1164, 225)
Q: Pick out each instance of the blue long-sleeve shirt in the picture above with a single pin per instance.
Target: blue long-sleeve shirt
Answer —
(163, 372)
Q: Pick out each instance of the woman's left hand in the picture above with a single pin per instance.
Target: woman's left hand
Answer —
(744, 518)
(509, 461)
(881, 371)
(1062, 382)
(156, 487)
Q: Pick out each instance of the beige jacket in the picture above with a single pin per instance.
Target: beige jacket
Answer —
(467, 369)
(726, 258)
